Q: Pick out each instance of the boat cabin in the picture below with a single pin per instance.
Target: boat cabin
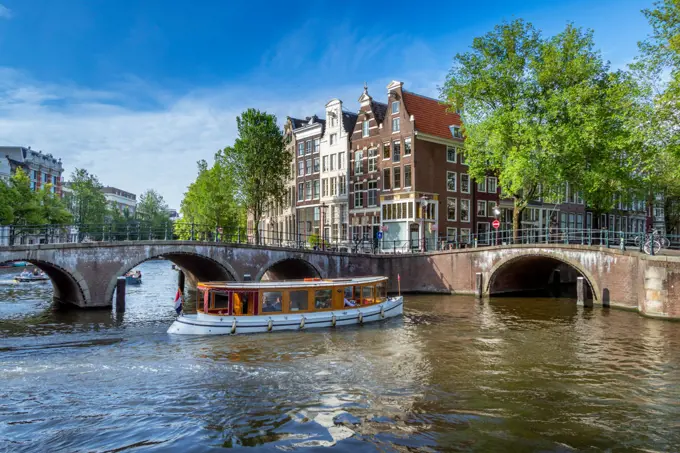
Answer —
(289, 296)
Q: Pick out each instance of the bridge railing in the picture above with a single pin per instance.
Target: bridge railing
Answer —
(651, 243)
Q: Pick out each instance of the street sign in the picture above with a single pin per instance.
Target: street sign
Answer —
(378, 235)
(496, 224)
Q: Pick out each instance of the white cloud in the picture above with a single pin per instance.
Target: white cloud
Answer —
(5, 12)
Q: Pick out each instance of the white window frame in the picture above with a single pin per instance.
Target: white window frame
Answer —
(411, 173)
(455, 181)
(358, 195)
(324, 163)
(455, 131)
(460, 208)
(341, 160)
(455, 204)
(495, 183)
(455, 154)
(394, 179)
(301, 192)
(373, 191)
(365, 128)
(468, 183)
(397, 122)
(358, 163)
(407, 145)
(395, 104)
(316, 184)
(333, 139)
(481, 185)
(451, 234)
(483, 204)
(301, 166)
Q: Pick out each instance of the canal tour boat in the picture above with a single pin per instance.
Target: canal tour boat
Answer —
(238, 307)
(26, 277)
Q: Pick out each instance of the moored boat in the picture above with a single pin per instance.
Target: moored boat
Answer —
(250, 307)
(133, 278)
(26, 277)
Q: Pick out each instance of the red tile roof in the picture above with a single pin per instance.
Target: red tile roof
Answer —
(431, 116)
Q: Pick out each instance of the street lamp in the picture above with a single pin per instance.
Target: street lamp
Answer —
(496, 213)
(423, 208)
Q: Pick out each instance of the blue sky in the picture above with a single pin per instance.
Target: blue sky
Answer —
(138, 91)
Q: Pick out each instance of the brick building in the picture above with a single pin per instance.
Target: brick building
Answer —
(40, 167)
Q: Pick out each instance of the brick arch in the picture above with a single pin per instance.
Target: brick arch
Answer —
(193, 264)
(69, 285)
(498, 267)
(296, 260)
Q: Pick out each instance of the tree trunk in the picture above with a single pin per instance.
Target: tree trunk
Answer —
(516, 216)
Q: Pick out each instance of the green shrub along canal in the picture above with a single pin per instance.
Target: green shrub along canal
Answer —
(532, 374)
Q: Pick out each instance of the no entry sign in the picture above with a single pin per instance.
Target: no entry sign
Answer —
(496, 224)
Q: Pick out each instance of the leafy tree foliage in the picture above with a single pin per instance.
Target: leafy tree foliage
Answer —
(540, 112)
(259, 163)
(211, 201)
(86, 200)
(153, 210)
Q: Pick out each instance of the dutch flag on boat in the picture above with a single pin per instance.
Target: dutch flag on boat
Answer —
(178, 301)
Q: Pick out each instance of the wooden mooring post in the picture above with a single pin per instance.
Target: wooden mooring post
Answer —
(120, 295)
(478, 285)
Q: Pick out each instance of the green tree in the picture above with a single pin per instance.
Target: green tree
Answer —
(211, 201)
(6, 198)
(539, 113)
(153, 210)
(54, 210)
(86, 200)
(25, 204)
(259, 162)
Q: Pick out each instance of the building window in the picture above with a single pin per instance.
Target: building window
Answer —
(481, 208)
(451, 206)
(309, 147)
(451, 177)
(54, 180)
(395, 107)
(332, 162)
(372, 160)
(324, 187)
(464, 210)
(386, 179)
(358, 195)
(334, 139)
(308, 190)
(301, 149)
(450, 235)
(364, 129)
(491, 205)
(358, 164)
(397, 177)
(341, 161)
(483, 232)
(316, 165)
(309, 166)
(324, 163)
(301, 168)
(451, 154)
(407, 176)
(317, 145)
(463, 161)
(395, 125)
(396, 152)
(301, 192)
(464, 183)
(491, 184)
(386, 151)
(316, 189)
(334, 186)
(455, 131)
(372, 193)
(481, 185)
(343, 185)
(407, 147)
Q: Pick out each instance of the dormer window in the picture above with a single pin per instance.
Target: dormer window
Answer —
(395, 107)
(455, 131)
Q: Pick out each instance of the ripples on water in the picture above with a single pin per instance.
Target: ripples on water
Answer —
(453, 374)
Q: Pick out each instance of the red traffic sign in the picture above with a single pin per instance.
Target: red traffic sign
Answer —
(496, 224)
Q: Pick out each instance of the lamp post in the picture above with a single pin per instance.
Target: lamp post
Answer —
(496, 213)
(423, 209)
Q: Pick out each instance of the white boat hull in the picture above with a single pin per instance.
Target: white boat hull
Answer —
(201, 324)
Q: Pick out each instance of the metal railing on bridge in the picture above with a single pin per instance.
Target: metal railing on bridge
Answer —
(651, 243)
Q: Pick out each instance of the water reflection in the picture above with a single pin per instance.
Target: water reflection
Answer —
(453, 374)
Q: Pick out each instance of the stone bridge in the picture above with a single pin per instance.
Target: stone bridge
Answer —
(85, 274)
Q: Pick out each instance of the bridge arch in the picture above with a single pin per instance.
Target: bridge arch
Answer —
(534, 271)
(69, 286)
(196, 267)
(289, 268)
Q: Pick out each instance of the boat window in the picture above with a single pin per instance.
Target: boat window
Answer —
(381, 291)
(298, 300)
(241, 301)
(348, 292)
(357, 294)
(221, 301)
(271, 301)
(367, 295)
(322, 299)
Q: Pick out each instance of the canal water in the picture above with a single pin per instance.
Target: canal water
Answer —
(453, 374)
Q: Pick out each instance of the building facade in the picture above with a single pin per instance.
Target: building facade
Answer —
(41, 168)
(308, 175)
(335, 146)
(120, 200)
